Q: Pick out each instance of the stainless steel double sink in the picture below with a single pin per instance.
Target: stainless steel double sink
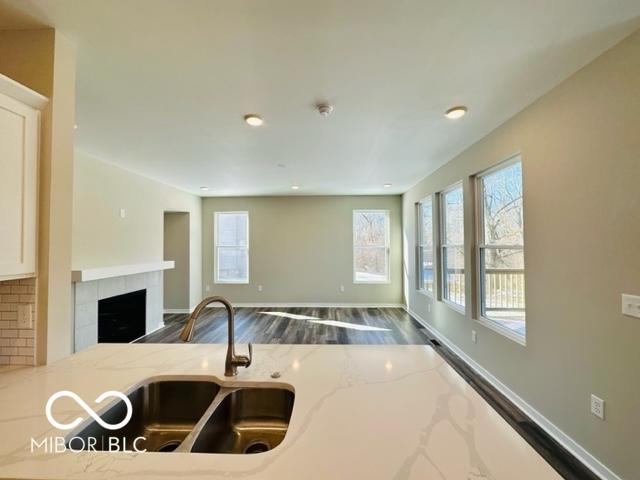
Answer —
(199, 415)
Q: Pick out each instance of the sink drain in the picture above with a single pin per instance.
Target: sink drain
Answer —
(169, 446)
(258, 446)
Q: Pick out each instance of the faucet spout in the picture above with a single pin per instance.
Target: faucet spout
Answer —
(232, 361)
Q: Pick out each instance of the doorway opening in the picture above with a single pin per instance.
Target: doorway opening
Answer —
(176, 248)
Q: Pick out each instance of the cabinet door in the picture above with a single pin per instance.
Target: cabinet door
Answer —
(19, 125)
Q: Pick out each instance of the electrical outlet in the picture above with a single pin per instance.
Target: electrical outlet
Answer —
(123, 213)
(474, 336)
(25, 317)
(207, 288)
(631, 305)
(259, 288)
(597, 406)
(342, 288)
(428, 308)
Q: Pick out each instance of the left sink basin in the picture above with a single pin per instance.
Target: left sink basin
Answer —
(164, 413)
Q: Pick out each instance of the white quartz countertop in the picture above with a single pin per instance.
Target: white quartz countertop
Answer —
(360, 412)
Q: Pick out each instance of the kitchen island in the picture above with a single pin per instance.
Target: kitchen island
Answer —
(360, 412)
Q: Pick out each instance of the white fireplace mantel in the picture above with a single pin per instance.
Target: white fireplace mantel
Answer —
(99, 273)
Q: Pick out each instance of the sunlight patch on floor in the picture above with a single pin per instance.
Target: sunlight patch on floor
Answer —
(331, 323)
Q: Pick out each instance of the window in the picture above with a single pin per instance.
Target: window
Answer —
(370, 246)
(501, 247)
(425, 245)
(232, 247)
(452, 246)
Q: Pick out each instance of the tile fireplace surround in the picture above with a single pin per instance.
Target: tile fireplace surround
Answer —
(87, 294)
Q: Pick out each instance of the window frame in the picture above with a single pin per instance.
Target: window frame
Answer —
(480, 245)
(216, 278)
(442, 246)
(421, 246)
(387, 246)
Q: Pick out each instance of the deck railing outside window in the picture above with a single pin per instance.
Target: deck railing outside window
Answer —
(455, 285)
(504, 290)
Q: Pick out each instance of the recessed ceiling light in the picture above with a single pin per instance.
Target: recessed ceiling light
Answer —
(456, 112)
(387, 185)
(295, 187)
(253, 120)
(204, 189)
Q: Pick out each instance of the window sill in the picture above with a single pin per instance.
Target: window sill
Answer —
(426, 293)
(505, 332)
(454, 306)
(386, 282)
(218, 282)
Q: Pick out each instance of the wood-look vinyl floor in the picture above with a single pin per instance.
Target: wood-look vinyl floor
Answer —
(369, 326)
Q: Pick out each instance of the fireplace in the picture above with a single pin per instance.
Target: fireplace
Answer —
(122, 319)
(88, 293)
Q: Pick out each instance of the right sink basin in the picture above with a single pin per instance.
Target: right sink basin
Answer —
(247, 420)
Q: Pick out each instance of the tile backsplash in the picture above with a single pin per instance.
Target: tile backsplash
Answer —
(17, 344)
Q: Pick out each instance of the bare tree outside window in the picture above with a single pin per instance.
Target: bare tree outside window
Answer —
(501, 247)
(452, 245)
(425, 245)
(371, 246)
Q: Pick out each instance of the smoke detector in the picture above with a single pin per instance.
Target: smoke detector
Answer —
(324, 109)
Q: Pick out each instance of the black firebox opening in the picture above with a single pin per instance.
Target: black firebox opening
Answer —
(122, 319)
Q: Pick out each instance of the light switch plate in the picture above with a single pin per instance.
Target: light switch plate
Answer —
(631, 305)
(474, 336)
(25, 318)
(123, 213)
(597, 407)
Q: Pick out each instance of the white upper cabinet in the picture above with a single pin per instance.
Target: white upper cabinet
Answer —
(19, 149)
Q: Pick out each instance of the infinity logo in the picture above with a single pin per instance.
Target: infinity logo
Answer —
(88, 409)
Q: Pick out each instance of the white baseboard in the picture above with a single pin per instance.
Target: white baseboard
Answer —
(293, 305)
(318, 305)
(562, 438)
(178, 310)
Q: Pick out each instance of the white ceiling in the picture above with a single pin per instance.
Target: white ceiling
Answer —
(163, 84)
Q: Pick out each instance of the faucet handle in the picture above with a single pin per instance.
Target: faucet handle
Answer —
(250, 356)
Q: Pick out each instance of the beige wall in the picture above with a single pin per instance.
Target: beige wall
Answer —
(102, 238)
(580, 147)
(301, 250)
(176, 248)
(44, 60)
